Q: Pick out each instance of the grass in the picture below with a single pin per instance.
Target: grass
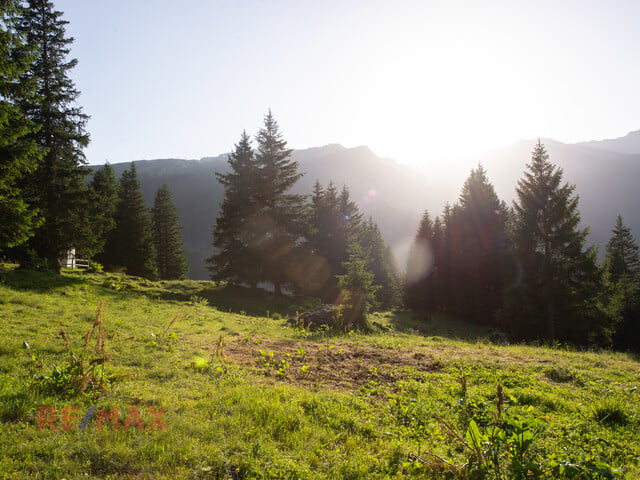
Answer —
(247, 396)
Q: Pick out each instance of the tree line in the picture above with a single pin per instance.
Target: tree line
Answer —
(526, 269)
(46, 205)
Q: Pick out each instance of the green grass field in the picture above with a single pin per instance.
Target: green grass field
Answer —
(232, 390)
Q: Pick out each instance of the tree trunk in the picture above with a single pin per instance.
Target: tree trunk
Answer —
(277, 289)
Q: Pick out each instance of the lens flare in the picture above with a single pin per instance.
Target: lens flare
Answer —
(421, 256)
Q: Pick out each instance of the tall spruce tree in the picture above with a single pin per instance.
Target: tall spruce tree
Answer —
(167, 236)
(237, 233)
(623, 254)
(419, 288)
(557, 297)
(335, 223)
(57, 187)
(482, 251)
(622, 265)
(282, 213)
(102, 203)
(18, 151)
(130, 244)
(381, 264)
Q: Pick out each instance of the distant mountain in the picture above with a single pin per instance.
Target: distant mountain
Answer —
(395, 195)
(629, 144)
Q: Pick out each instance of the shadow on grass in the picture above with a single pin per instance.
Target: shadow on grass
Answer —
(227, 298)
(430, 324)
(24, 279)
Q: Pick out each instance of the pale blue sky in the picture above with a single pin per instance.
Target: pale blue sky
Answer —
(417, 81)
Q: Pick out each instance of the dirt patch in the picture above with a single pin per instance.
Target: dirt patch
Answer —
(333, 366)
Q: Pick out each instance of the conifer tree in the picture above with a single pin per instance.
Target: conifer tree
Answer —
(380, 263)
(623, 254)
(282, 213)
(557, 297)
(237, 233)
(418, 286)
(102, 203)
(622, 265)
(325, 217)
(358, 290)
(167, 236)
(57, 186)
(130, 244)
(18, 151)
(335, 223)
(482, 251)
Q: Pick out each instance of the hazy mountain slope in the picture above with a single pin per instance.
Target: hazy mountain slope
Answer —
(396, 195)
(629, 144)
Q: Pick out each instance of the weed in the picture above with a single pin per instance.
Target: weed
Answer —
(82, 373)
(196, 300)
(502, 450)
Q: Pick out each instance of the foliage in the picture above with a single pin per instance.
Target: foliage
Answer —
(102, 204)
(478, 246)
(622, 275)
(57, 186)
(282, 212)
(503, 448)
(419, 280)
(84, 372)
(167, 237)
(334, 222)
(261, 223)
(18, 150)
(381, 264)
(358, 291)
(623, 254)
(236, 230)
(130, 244)
(561, 284)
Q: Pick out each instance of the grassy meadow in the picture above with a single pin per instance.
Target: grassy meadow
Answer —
(212, 382)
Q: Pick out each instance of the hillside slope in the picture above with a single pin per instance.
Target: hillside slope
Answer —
(205, 390)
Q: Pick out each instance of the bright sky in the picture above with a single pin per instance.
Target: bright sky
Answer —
(418, 81)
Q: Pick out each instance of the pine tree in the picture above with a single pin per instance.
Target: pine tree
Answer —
(418, 286)
(335, 223)
(381, 264)
(102, 203)
(130, 244)
(358, 290)
(350, 223)
(325, 218)
(623, 254)
(622, 265)
(18, 151)
(57, 187)
(282, 213)
(480, 234)
(167, 236)
(237, 233)
(557, 297)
